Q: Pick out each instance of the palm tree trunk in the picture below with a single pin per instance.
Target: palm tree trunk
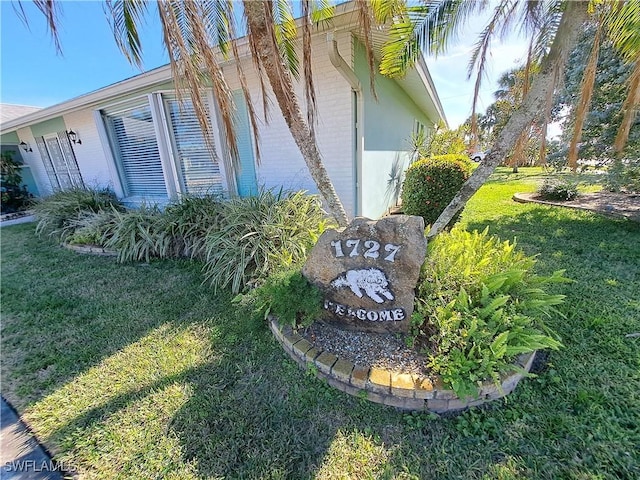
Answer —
(260, 28)
(518, 151)
(630, 108)
(566, 38)
(586, 91)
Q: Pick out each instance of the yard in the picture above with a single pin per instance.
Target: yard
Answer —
(139, 371)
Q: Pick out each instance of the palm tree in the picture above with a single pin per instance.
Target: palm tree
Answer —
(554, 28)
(191, 27)
(188, 28)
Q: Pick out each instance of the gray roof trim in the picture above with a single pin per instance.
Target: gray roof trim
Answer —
(417, 82)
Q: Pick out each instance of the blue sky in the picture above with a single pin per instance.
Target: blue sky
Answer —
(33, 74)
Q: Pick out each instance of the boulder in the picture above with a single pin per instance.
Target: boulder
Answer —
(368, 272)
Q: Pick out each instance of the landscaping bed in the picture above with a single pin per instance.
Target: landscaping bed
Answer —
(139, 370)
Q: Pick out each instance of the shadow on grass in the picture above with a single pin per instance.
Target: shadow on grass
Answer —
(240, 408)
(251, 414)
(64, 313)
(565, 235)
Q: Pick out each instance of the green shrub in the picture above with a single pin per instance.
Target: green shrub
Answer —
(478, 306)
(287, 295)
(189, 221)
(430, 184)
(623, 176)
(13, 195)
(558, 189)
(92, 228)
(57, 213)
(260, 235)
(139, 235)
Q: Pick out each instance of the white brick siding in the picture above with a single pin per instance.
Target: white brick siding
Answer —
(281, 162)
(90, 155)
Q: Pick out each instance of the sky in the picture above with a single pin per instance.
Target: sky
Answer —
(32, 73)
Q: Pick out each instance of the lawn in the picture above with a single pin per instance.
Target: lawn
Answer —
(139, 371)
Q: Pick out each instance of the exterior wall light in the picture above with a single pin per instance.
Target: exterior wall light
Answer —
(26, 147)
(73, 136)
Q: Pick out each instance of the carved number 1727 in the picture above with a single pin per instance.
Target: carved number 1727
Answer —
(371, 249)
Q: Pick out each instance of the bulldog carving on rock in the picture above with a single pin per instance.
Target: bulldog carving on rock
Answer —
(373, 281)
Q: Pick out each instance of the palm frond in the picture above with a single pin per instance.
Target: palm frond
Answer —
(546, 29)
(630, 109)
(385, 10)
(194, 64)
(479, 58)
(623, 28)
(124, 17)
(286, 34)
(217, 17)
(51, 11)
(509, 18)
(309, 88)
(365, 21)
(251, 111)
(429, 27)
(322, 12)
(501, 15)
(586, 91)
(548, 105)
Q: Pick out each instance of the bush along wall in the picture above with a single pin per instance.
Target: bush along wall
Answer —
(15, 196)
(431, 183)
(240, 241)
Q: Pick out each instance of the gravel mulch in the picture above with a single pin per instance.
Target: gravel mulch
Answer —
(386, 351)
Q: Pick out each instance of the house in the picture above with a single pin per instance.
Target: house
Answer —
(10, 112)
(134, 137)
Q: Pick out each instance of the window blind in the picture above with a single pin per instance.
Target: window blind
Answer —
(132, 134)
(198, 166)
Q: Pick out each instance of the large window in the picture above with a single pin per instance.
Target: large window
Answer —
(197, 163)
(133, 140)
(159, 149)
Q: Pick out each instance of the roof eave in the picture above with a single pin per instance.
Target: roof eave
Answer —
(129, 85)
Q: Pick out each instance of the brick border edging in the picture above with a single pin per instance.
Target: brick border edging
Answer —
(91, 250)
(400, 390)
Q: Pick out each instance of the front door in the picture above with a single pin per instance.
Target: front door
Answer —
(60, 161)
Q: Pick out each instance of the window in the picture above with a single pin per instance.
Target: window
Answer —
(159, 149)
(197, 166)
(132, 134)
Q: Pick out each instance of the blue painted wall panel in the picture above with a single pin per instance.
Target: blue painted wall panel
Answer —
(246, 177)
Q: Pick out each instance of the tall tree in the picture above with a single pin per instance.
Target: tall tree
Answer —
(603, 121)
(190, 31)
(554, 28)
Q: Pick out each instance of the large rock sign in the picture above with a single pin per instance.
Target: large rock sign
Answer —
(368, 272)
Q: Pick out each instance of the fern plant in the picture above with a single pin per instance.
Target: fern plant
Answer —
(479, 305)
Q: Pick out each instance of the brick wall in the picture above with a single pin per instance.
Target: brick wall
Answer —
(90, 155)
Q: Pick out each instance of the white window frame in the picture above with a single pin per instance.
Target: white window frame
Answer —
(170, 147)
(115, 170)
(164, 139)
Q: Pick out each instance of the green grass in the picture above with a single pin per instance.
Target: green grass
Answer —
(139, 371)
